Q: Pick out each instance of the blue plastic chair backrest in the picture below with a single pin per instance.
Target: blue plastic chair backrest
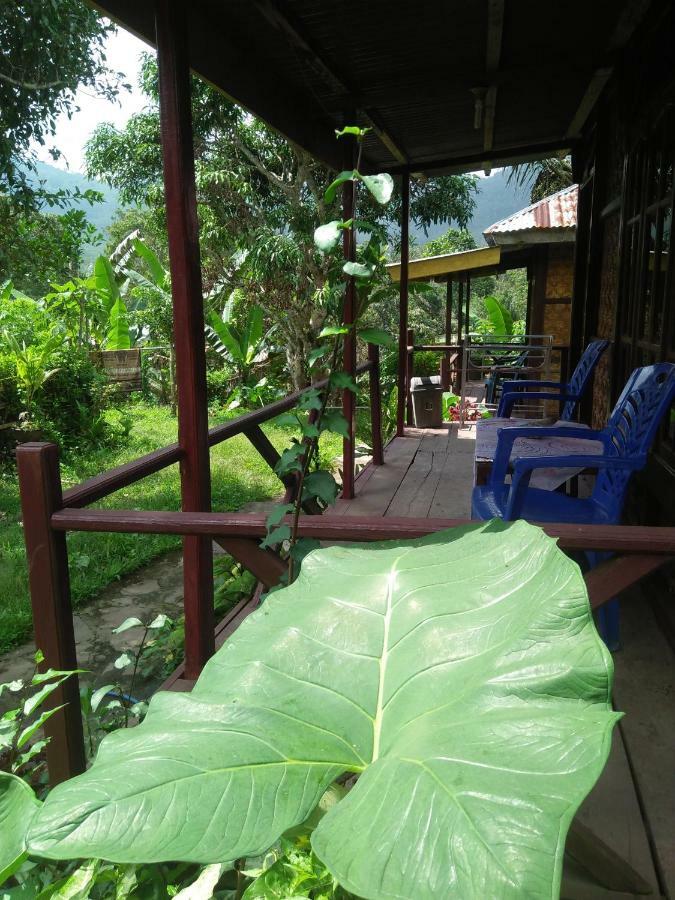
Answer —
(581, 375)
(645, 400)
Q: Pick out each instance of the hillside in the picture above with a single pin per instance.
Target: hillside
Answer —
(495, 200)
(100, 214)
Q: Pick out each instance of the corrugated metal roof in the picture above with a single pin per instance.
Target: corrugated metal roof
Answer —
(557, 211)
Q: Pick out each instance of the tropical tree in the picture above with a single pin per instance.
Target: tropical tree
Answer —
(47, 51)
(546, 176)
(260, 198)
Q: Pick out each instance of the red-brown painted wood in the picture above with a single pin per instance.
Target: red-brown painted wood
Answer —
(445, 360)
(638, 539)
(607, 580)
(409, 369)
(47, 555)
(264, 564)
(106, 483)
(188, 321)
(375, 404)
(348, 317)
(403, 305)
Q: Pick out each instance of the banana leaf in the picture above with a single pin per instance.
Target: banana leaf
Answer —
(460, 676)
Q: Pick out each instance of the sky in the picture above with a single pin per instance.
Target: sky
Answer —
(123, 51)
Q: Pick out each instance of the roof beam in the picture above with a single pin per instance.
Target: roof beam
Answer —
(284, 22)
(501, 156)
(493, 53)
(595, 88)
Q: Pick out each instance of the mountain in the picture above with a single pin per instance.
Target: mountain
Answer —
(495, 200)
(99, 214)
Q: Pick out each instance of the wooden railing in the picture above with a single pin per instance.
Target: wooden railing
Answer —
(49, 513)
(42, 500)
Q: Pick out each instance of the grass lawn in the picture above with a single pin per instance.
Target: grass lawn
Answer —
(238, 475)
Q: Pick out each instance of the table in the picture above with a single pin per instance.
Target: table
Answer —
(546, 479)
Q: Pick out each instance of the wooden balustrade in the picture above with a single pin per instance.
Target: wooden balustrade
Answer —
(42, 498)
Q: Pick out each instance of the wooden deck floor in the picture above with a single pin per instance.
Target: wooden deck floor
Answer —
(429, 473)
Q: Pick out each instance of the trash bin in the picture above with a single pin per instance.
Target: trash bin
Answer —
(427, 393)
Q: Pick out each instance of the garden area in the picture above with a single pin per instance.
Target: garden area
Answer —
(419, 717)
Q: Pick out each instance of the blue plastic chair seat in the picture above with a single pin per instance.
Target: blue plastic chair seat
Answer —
(489, 501)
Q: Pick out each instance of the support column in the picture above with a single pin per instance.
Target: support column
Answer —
(348, 316)
(47, 556)
(468, 304)
(403, 304)
(445, 368)
(188, 323)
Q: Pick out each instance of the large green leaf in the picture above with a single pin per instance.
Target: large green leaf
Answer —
(18, 806)
(501, 321)
(106, 282)
(118, 336)
(460, 675)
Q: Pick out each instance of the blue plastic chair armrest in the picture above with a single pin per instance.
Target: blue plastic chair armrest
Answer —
(523, 468)
(511, 397)
(507, 436)
(533, 383)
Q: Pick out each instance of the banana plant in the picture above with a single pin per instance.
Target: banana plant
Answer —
(32, 365)
(241, 346)
(459, 678)
(118, 336)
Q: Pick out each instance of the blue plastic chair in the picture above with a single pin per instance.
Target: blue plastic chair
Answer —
(570, 392)
(626, 440)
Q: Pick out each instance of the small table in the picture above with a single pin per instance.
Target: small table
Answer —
(546, 479)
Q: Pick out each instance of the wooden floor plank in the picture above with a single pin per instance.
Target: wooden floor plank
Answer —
(416, 492)
(385, 480)
(452, 498)
(644, 688)
(612, 812)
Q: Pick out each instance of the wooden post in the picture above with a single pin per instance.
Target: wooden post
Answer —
(409, 368)
(188, 322)
(403, 304)
(445, 370)
(47, 555)
(349, 311)
(468, 305)
(375, 404)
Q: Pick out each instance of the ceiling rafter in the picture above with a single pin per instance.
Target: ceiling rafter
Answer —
(493, 53)
(282, 20)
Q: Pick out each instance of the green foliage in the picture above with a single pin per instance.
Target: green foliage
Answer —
(487, 704)
(22, 723)
(426, 362)
(242, 346)
(33, 366)
(499, 319)
(47, 51)
(453, 241)
(545, 176)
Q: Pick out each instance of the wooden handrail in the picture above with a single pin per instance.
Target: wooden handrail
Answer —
(99, 486)
(617, 538)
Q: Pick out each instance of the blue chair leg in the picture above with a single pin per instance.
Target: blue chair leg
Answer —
(608, 615)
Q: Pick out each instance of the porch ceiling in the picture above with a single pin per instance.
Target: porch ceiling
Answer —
(447, 85)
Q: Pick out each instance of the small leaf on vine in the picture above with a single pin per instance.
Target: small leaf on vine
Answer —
(376, 336)
(333, 420)
(321, 484)
(380, 186)
(287, 419)
(289, 460)
(276, 515)
(358, 270)
(331, 330)
(327, 236)
(342, 380)
(352, 129)
(331, 190)
(311, 399)
(310, 430)
(276, 536)
(316, 354)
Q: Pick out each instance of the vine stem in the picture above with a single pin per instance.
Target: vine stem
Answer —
(306, 462)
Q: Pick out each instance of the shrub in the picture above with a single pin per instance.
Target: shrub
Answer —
(71, 401)
(219, 384)
(10, 400)
(426, 363)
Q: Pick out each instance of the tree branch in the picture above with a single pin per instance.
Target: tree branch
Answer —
(31, 85)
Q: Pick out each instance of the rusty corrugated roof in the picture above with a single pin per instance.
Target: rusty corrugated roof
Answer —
(557, 211)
